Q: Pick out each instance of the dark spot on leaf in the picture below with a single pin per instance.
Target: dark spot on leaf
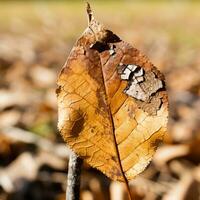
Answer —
(100, 46)
(58, 90)
(78, 126)
(111, 37)
(157, 142)
(114, 158)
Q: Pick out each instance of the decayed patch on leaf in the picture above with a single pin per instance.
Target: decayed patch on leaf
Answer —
(112, 103)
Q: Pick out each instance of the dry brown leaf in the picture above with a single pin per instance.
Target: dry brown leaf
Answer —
(112, 103)
(170, 152)
(186, 188)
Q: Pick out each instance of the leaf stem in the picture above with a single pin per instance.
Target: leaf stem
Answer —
(74, 176)
(90, 19)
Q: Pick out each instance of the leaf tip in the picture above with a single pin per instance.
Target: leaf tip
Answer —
(89, 12)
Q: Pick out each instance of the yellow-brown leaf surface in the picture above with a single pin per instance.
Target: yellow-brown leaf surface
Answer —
(112, 103)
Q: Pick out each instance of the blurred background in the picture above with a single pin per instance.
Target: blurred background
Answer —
(35, 40)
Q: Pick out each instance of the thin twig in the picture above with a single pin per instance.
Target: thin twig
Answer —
(74, 175)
